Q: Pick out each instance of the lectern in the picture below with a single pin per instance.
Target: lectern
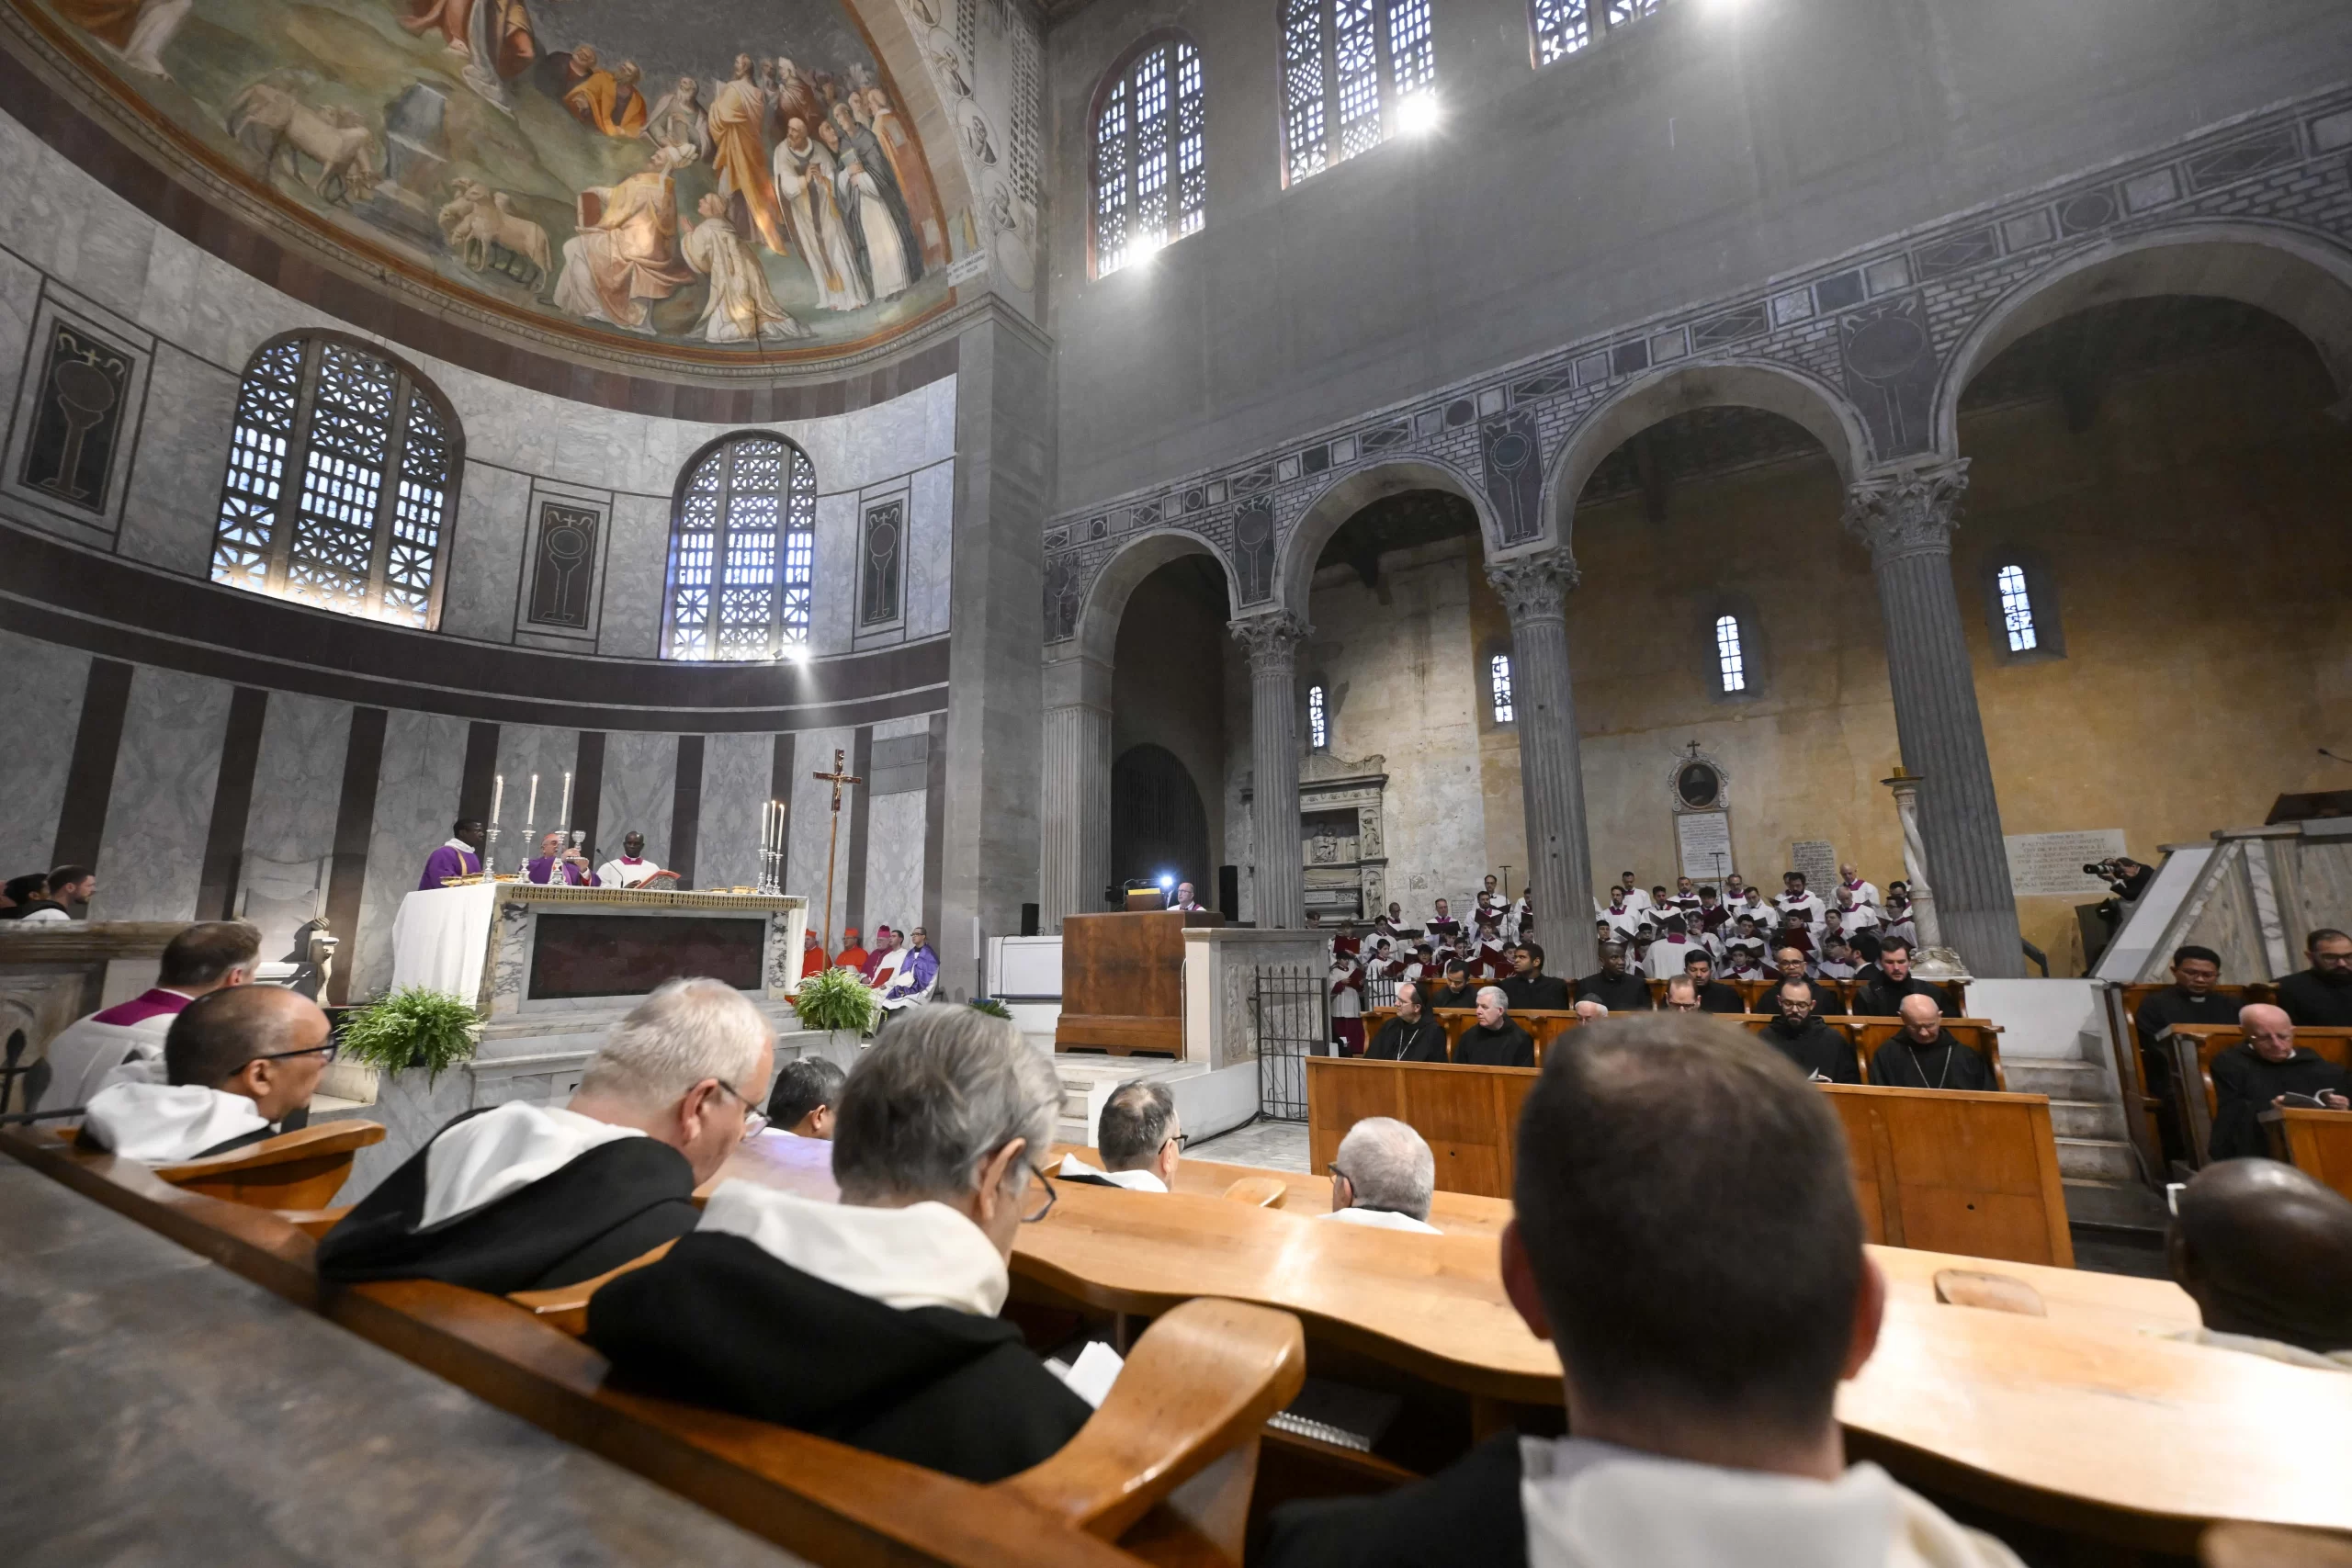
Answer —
(1123, 981)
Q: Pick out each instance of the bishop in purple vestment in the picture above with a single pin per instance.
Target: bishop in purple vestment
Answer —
(461, 856)
(558, 862)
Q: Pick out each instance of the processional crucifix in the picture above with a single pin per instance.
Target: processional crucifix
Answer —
(840, 775)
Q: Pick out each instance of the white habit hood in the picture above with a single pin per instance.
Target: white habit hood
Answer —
(923, 1255)
(1595, 1505)
(504, 1150)
(162, 1122)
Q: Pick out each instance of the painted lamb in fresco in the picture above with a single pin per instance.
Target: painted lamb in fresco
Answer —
(565, 157)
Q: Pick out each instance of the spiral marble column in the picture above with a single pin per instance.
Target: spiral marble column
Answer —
(1534, 590)
(1280, 878)
(1906, 516)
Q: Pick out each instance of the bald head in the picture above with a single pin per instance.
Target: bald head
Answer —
(265, 1043)
(1591, 1012)
(2268, 1029)
(2266, 1250)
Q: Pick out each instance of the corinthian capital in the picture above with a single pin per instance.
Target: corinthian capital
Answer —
(1535, 587)
(1271, 641)
(1907, 511)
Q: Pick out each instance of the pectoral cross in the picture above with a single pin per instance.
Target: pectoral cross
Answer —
(840, 775)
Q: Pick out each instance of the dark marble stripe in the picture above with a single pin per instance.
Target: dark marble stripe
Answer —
(233, 804)
(478, 780)
(89, 780)
(861, 763)
(934, 829)
(588, 786)
(355, 819)
(686, 809)
(780, 788)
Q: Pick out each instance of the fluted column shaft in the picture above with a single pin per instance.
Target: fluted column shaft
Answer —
(1280, 878)
(1906, 516)
(1535, 589)
(1075, 811)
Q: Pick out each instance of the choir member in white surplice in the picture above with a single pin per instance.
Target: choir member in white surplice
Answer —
(630, 868)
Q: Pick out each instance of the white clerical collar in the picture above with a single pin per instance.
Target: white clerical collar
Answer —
(923, 1255)
(459, 845)
(161, 1122)
(1383, 1220)
(1133, 1180)
(504, 1150)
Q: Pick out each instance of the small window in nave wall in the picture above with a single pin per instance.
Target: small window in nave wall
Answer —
(1150, 176)
(1355, 73)
(1731, 654)
(1498, 679)
(1318, 723)
(743, 552)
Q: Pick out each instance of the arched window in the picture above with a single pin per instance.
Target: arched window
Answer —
(743, 551)
(2017, 608)
(1731, 654)
(1558, 28)
(1354, 74)
(1150, 183)
(343, 475)
(1498, 680)
(1318, 724)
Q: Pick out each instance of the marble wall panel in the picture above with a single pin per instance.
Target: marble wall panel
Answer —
(40, 690)
(930, 552)
(157, 818)
(298, 779)
(525, 749)
(636, 562)
(416, 797)
(486, 553)
(175, 475)
(812, 818)
(832, 610)
(104, 257)
(894, 828)
(641, 788)
(19, 300)
(735, 782)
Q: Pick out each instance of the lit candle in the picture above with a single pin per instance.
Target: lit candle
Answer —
(531, 811)
(563, 818)
(497, 796)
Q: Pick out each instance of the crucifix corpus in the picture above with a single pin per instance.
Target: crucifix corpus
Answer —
(840, 775)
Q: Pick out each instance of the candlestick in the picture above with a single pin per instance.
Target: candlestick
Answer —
(563, 818)
(531, 812)
(497, 796)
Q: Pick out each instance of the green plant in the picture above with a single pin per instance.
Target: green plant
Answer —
(991, 1007)
(835, 998)
(412, 1027)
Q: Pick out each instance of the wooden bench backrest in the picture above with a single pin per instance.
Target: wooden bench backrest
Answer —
(1544, 1025)
(1949, 1171)
(2212, 1038)
(2318, 1142)
(1982, 1033)
(302, 1169)
(1468, 1114)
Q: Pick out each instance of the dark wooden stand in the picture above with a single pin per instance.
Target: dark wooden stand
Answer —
(1123, 981)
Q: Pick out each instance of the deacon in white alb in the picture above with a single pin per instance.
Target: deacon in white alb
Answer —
(630, 868)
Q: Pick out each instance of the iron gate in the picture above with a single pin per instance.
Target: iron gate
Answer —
(1290, 1012)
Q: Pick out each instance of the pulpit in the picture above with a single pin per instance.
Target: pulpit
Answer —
(1123, 981)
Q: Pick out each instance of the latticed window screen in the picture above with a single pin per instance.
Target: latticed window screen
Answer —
(341, 473)
(1150, 178)
(1319, 725)
(1558, 28)
(1346, 67)
(1731, 658)
(1499, 677)
(744, 552)
(2017, 609)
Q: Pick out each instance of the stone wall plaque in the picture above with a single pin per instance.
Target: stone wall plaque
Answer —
(1818, 858)
(2050, 865)
(1702, 843)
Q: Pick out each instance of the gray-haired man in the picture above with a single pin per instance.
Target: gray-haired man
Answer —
(1382, 1175)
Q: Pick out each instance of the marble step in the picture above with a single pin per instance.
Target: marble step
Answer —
(2105, 1159)
(2091, 1200)
(2057, 1078)
(2086, 1119)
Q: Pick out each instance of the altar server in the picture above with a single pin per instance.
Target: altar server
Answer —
(206, 957)
(237, 1063)
(560, 860)
(461, 856)
(630, 868)
(525, 1196)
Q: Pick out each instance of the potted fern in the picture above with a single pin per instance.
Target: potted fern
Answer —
(841, 1006)
(412, 1027)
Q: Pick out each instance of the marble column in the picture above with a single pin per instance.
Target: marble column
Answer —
(1075, 843)
(1906, 515)
(1280, 879)
(1534, 590)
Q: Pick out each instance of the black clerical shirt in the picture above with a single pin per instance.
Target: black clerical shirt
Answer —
(1618, 993)
(1420, 1039)
(1947, 1064)
(1882, 997)
(1716, 997)
(2316, 1001)
(1506, 1045)
(2161, 1011)
(2244, 1083)
(1455, 997)
(1814, 1046)
(1535, 993)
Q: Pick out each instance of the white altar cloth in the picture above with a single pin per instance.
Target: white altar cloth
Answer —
(441, 936)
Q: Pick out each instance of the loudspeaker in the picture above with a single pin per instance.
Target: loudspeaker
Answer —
(1229, 891)
(1028, 920)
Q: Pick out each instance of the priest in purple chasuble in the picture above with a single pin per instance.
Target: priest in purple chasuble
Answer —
(558, 860)
(461, 856)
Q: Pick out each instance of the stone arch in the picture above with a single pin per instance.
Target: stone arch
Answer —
(2304, 281)
(1137, 558)
(1775, 388)
(1350, 494)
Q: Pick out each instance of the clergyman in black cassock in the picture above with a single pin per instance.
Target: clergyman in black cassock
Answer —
(2245, 1082)
(1904, 1063)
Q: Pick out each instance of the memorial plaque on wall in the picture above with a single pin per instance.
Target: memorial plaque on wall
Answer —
(1818, 858)
(2050, 865)
(1702, 843)
(78, 417)
(563, 576)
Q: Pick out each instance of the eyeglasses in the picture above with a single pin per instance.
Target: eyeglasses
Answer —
(1179, 1139)
(755, 1120)
(1050, 1195)
(329, 1051)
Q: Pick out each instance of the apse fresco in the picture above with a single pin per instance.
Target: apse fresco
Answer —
(699, 172)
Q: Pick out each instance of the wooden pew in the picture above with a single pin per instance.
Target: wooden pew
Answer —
(1468, 1114)
(1166, 1463)
(1869, 1033)
(1953, 1171)
(1544, 1025)
(2194, 1047)
(300, 1171)
(2318, 1142)
(2140, 1101)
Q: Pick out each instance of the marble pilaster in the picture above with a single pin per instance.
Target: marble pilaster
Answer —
(1906, 515)
(1534, 590)
(41, 688)
(1280, 875)
(1075, 838)
(161, 809)
(640, 789)
(417, 798)
(735, 768)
